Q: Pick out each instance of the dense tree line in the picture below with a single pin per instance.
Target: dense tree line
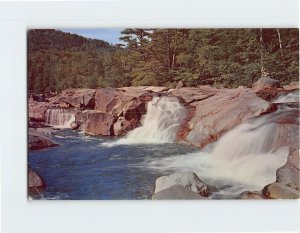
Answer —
(219, 57)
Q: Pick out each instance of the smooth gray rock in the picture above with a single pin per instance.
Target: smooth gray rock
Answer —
(176, 192)
(188, 180)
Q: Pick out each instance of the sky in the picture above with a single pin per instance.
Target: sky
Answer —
(109, 35)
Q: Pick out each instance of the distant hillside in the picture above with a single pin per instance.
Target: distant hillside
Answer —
(53, 39)
(59, 60)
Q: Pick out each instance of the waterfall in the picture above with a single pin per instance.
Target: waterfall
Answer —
(159, 125)
(244, 159)
(59, 118)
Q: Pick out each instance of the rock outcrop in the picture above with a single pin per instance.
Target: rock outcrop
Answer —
(84, 98)
(176, 192)
(292, 86)
(34, 180)
(96, 123)
(38, 140)
(36, 110)
(287, 181)
(266, 83)
(217, 111)
(189, 180)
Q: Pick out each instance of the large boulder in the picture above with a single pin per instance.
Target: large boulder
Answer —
(266, 83)
(96, 123)
(84, 98)
(278, 190)
(176, 192)
(188, 180)
(34, 180)
(39, 140)
(214, 112)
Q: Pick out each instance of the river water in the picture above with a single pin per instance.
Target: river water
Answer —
(83, 167)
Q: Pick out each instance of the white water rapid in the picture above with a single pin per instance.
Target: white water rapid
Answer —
(289, 98)
(159, 125)
(59, 118)
(244, 159)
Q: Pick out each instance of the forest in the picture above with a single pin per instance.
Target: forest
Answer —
(161, 57)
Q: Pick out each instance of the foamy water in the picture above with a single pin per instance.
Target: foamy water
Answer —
(159, 125)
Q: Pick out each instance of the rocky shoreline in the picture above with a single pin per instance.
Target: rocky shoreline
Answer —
(210, 113)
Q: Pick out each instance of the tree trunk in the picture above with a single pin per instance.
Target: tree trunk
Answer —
(280, 43)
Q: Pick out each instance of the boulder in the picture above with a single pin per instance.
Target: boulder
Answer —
(110, 100)
(293, 159)
(292, 86)
(96, 123)
(74, 125)
(36, 110)
(122, 126)
(34, 180)
(188, 180)
(75, 98)
(39, 140)
(217, 112)
(176, 192)
(280, 191)
(289, 176)
(251, 195)
(266, 83)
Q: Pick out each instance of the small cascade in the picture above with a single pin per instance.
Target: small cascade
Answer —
(292, 97)
(59, 118)
(159, 125)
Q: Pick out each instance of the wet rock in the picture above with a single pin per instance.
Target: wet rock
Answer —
(96, 123)
(188, 180)
(280, 191)
(288, 175)
(176, 192)
(293, 159)
(251, 195)
(123, 126)
(84, 98)
(266, 83)
(39, 140)
(74, 125)
(218, 113)
(34, 180)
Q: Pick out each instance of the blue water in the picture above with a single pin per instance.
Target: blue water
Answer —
(82, 168)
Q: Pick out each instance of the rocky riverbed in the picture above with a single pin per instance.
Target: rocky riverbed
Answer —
(209, 114)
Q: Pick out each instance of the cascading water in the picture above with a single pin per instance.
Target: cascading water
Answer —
(59, 118)
(289, 98)
(159, 125)
(244, 159)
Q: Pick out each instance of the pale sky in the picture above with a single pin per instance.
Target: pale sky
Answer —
(109, 35)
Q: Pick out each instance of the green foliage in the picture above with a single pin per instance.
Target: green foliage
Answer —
(219, 57)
